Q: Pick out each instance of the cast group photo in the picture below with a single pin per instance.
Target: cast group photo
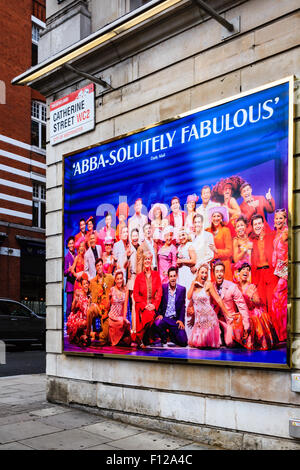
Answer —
(207, 271)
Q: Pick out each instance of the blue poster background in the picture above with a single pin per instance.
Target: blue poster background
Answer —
(256, 151)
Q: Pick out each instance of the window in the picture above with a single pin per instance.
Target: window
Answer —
(38, 205)
(38, 124)
(35, 43)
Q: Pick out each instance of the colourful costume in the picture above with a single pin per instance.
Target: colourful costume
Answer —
(146, 290)
(240, 245)
(279, 301)
(108, 265)
(166, 260)
(262, 335)
(77, 320)
(100, 288)
(79, 268)
(106, 233)
(119, 327)
(80, 238)
(263, 206)
(206, 331)
(237, 320)
(262, 269)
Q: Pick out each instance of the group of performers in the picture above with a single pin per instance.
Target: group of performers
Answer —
(211, 276)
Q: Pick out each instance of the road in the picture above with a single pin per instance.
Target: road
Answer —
(18, 362)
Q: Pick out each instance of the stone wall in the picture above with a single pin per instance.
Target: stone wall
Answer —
(230, 406)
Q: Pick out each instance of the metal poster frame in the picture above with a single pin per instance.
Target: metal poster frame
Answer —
(289, 80)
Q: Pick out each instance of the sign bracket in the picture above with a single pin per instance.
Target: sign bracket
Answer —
(92, 78)
(212, 12)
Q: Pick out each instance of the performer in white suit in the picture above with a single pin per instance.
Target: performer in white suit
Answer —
(94, 252)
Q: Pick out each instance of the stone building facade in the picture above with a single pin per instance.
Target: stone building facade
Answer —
(175, 60)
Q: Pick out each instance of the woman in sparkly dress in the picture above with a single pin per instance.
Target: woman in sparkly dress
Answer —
(206, 330)
(119, 326)
(262, 335)
(280, 265)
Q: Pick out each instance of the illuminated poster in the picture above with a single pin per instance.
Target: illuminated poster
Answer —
(176, 237)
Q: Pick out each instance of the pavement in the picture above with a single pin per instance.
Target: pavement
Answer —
(29, 422)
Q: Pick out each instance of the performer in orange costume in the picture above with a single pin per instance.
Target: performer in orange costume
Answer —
(218, 216)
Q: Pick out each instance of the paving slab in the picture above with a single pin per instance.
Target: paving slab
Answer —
(196, 446)
(150, 441)
(102, 447)
(44, 412)
(75, 419)
(15, 418)
(73, 439)
(112, 430)
(18, 431)
(14, 446)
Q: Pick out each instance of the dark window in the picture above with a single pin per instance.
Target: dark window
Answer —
(38, 205)
(34, 55)
(35, 37)
(38, 124)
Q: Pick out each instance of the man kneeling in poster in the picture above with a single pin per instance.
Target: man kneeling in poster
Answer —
(172, 311)
(100, 287)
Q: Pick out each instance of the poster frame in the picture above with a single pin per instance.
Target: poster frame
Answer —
(291, 286)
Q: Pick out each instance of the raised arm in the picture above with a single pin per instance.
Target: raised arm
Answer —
(191, 290)
(233, 208)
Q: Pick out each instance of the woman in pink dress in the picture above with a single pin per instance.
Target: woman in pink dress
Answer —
(262, 335)
(77, 320)
(167, 255)
(77, 268)
(280, 265)
(206, 330)
(107, 231)
(119, 326)
(109, 261)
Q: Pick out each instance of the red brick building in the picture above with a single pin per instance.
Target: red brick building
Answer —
(22, 156)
